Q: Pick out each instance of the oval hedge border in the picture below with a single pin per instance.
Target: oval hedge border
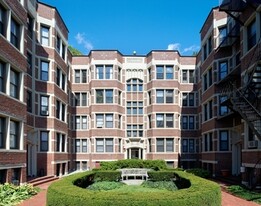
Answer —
(201, 192)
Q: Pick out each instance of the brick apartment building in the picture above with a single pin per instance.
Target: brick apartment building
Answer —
(60, 113)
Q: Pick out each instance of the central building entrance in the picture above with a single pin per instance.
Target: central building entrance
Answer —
(134, 153)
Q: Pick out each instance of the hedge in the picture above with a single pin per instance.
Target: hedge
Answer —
(134, 163)
(201, 192)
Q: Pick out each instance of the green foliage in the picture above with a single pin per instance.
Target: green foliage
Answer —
(167, 185)
(134, 163)
(201, 192)
(161, 175)
(74, 51)
(11, 195)
(244, 193)
(199, 172)
(106, 185)
(107, 176)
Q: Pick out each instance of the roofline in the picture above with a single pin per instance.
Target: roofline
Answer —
(210, 12)
(53, 7)
(130, 55)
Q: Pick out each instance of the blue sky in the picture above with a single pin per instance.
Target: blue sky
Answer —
(134, 25)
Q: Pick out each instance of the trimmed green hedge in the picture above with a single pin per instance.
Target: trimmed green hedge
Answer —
(134, 163)
(201, 192)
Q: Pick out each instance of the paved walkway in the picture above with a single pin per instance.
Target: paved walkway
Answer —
(227, 199)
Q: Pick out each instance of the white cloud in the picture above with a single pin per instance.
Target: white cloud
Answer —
(192, 48)
(80, 38)
(174, 46)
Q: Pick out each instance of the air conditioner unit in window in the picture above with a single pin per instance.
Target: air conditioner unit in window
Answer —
(253, 144)
(99, 126)
(45, 112)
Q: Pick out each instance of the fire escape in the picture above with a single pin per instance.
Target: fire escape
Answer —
(243, 98)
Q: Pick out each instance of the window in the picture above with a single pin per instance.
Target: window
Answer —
(223, 110)
(188, 145)
(30, 26)
(165, 120)
(149, 74)
(80, 76)
(134, 108)
(80, 99)
(29, 63)
(223, 70)
(104, 72)
(134, 85)
(208, 110)
(2, 77)
(119, 74)
(44, 110)
(81, 122)
(58, 44)
(187, 76)
(210, 81)
(104, 145)
(222, 34)
(60, 110)
(60, 78)
(14, 84)
(44, 70)
(164, 96)
(29, 101)
(15, 33)
(2, 21)
(104, 96)
(119, 97)
(134, 130)
(188, 122)
(164, 72)
(45, 35)
(44, 141)
(209, 44)
(188, 99)
(205, 52)
(251, 35)
(207, 79)
(208, 142)
(2, 132)
(165, 145)
(81, 145)
(108, 118)
(223, 140)
(60, 142)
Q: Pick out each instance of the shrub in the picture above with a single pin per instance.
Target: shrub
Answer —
(199, 172)
(11, 195)
(106, 185)
(201, 192)
(168, 185)
(107, 176)
(244, 193)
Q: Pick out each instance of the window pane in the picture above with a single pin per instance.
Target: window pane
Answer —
(108, 70)
(160, 94)
(160, 120)
(44, 70)
(169, 120)
(99, 120)
(109, 145)
(169, 72)
(99, 145)
(99, 72)
(99, 96)
(109, 96)
(169, 96)
(160, 74)
(160, 145)
(169, 145)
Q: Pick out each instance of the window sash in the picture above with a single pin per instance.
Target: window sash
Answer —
(108, 72)
(77, 78)
(45, 35)
(15, 33)
(44, 141)
(169, 145)
(99, 72)
(160, 120)
(169, 96)
(2, 132)
(14, 141)
(109, 121)
(160, 96)
(169, 72)
(14, 84)
(108, 145)
(44, 70)
(160, 72)
(109, 96)
(2, 77)
(99, 96)
(223, 139)
(99, 145)
(84, 145)
(44, 105)
(160, 145)
(99, 120)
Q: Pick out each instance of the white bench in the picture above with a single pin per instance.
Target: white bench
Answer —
(134, 172)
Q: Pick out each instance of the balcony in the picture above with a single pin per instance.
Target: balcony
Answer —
(232, 5)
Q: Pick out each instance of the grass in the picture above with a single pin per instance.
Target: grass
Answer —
(244, 193)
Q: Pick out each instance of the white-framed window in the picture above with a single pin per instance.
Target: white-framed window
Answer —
(14, 83)
(207, 79)
(2, 76)
(222, 69)
(223, 109)
(3, 20)
(45, 35)
(44, 141)
(134, 85)
(104, 145)
(208, 142)
(188, 99)
(2, 132)
(188, 122)
(44, 105)
(135, 108)
(188, 145)
(104, 120)
(80, 76)
(164, 96)
(104, 96)
(164, 72)
(61, 142)
(81, 122)
(44, 75)
(187, 76)
(30, 26)
(80, 99)
(60, 110)
(165, 144)
(104, 71)
(61, 78)
(14, 135)
(208, 110)
(165, 120)
(134, 130)
(223, 140)
(81, 145)
(15, 33)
